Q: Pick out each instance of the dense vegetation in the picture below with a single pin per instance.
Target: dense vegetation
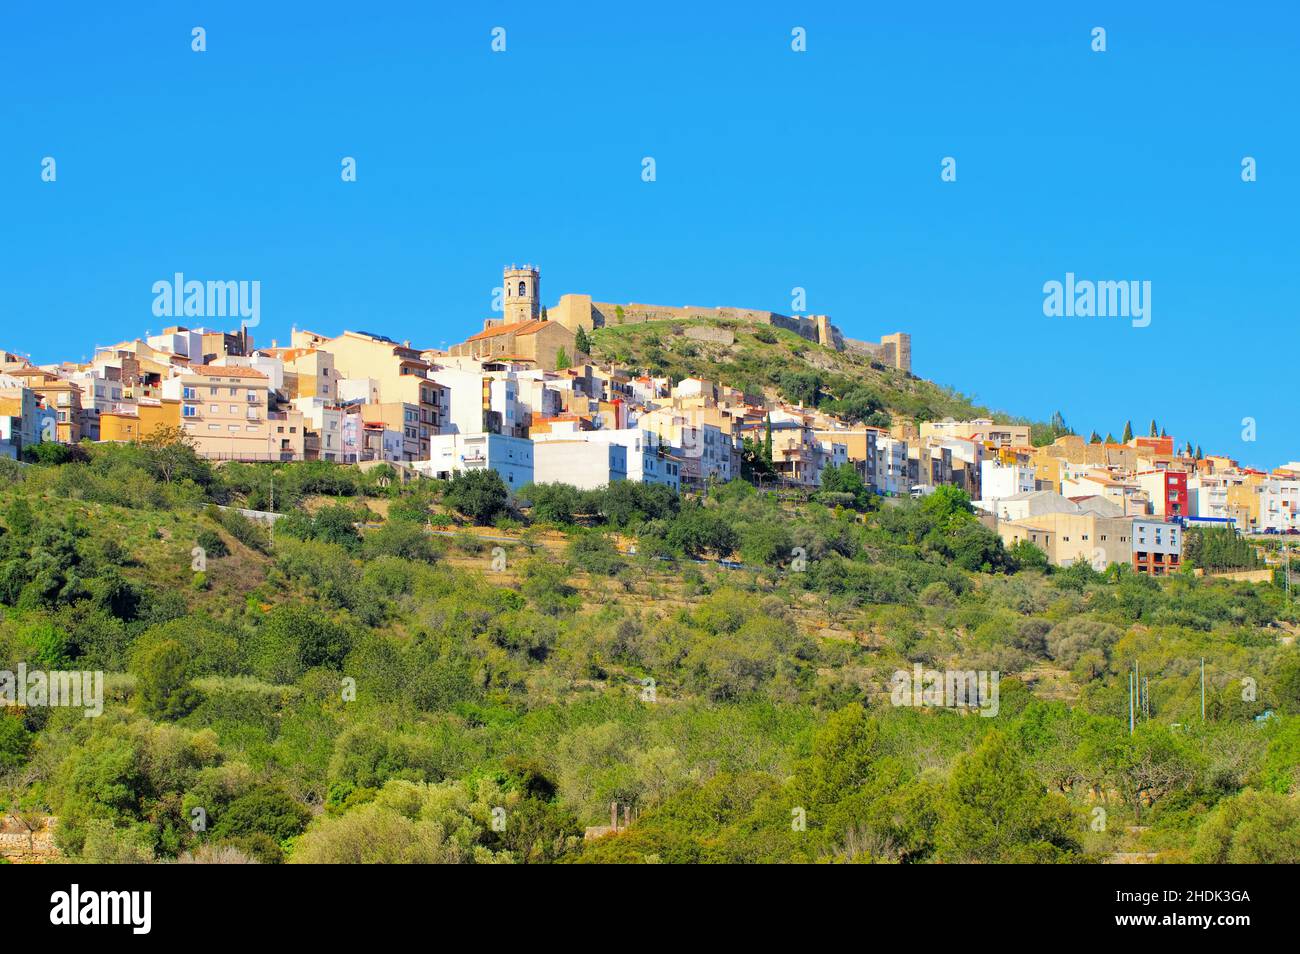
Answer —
(433, 672)
(779, 363)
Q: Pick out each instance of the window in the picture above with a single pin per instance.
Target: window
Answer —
(522, 288)
(213, 409)
(189, 410)
(234, 409)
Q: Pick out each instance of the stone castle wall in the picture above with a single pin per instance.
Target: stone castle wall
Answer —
(579, 311)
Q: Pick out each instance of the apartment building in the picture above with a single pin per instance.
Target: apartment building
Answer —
(399, 373)
(998, 481)
(1279, 506)
(983, 430)
(309, 373)
(1167, 491)
(891, 478)
(139, 420)
(929, 465)
(64, 398)
(511, 457)
(859, 448)
(706, 453)
(1069, 537)
(323, 420)
(226, 411)
(1157, 547)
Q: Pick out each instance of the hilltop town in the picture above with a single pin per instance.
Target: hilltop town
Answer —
(525, 397)
(693, 586)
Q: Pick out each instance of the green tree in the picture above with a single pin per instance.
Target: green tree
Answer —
(480, 495)
(163, 681)
(1128, 432)
(845, 479)
(561, 359)
(581, 343)
(266, 810)
(1252, 828)
(995, 810)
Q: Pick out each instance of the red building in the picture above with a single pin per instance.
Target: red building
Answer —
(1175, 495)
(1168, 492)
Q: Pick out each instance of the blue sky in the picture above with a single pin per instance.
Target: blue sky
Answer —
(775, 169)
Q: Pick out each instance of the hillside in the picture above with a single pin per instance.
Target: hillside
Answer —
(401, 663)
(781, 364)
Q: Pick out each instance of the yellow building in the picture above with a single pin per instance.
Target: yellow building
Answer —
(1067, 538)
(399, 371)
(144, 419)
(226, 411)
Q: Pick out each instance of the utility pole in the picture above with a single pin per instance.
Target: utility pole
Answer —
(1130, 702)
(1202, 688)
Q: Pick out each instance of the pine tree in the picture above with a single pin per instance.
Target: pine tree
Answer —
(1199, 455)
(1128, 432)
(1155, 431)
(1110, 438)
(581, 343)
(767, 447)
(1095, 439)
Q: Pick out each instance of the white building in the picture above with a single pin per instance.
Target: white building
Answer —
(586, 465)
(183, 341)
(649, 461)
(467, 404)
(999, 481)
(325, 419)
(511, 457)
(890, 478)
(1279, 505)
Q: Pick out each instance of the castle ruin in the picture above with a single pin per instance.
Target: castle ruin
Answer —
(580, 311)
